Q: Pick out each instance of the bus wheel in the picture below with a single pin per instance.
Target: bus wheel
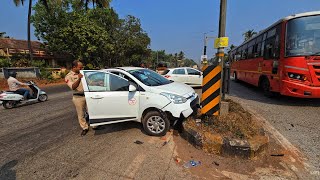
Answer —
(265, 85)
(235, 77)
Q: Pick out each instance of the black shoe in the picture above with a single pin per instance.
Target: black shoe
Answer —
(84, 132)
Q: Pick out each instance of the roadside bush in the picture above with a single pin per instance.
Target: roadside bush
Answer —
(63, 74)
(45, 74)
(5, 62)
(21, 63)
(89, 67)
(38, 63)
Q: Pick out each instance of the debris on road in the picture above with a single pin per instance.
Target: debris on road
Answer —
(215, 163)
(192, 163)
(177, 159)
(138, 142)
(165, 143)
(277, 154)
(292, 125)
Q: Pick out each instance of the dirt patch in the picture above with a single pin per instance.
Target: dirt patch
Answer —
(237, 124)
(274, 162)
(39, 82)
(217, 167)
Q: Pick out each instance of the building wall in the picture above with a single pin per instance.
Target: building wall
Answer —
(32, 72)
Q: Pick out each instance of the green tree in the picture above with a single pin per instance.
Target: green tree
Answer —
(21, 2)
(95, 3)
(249, 34)
(2, 35)
(97, 36)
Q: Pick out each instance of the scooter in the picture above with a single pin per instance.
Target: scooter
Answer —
(10, 99)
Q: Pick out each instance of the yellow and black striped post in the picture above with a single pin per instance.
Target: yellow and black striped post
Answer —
(211, 84)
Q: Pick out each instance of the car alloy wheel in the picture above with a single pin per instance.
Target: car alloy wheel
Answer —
(155, 123)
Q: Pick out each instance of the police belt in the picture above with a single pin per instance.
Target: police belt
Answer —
(78, 94)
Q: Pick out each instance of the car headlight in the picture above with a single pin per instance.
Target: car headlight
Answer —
(175, 98)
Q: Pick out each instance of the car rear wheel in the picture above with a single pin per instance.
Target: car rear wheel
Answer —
(155, 123)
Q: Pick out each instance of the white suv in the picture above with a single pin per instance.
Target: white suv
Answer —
(136, 94)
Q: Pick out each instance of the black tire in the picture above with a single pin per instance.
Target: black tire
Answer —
(159, 129)
(265, 85)
(42, 97)
(9, 104)
(235, 77)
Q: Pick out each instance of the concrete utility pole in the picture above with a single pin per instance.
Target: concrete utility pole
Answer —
(222, 33)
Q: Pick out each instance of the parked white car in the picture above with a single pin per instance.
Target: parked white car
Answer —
(186, 75)
(136, 94)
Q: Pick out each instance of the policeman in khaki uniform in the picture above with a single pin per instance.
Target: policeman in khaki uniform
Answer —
(73, 79)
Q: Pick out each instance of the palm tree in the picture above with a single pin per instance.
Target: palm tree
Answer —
(21, 2)
(231, 47)
(249, 34)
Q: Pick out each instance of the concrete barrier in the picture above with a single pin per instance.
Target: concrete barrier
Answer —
(28, 72)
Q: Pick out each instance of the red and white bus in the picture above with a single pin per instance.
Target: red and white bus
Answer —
(283, 58)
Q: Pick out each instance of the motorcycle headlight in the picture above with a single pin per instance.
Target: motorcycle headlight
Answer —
(175, 98)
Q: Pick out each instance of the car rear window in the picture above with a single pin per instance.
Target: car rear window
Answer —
(165, 72)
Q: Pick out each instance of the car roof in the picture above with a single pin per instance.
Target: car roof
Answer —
(181, 68)
(129, 68)
(122, 68)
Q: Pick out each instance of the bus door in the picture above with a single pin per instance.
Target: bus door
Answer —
(271, 52)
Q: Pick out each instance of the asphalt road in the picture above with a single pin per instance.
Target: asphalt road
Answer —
(298, 120)
(42, 141)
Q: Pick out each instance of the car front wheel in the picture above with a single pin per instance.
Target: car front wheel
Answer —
(155, 123)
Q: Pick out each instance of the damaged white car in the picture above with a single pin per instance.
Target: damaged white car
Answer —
(136, 94)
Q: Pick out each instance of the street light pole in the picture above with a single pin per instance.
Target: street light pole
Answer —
(205, 42)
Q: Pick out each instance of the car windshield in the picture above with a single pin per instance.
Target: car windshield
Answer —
(148, 77)
(303, 36)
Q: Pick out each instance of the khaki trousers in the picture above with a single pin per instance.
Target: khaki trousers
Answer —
(80, 104)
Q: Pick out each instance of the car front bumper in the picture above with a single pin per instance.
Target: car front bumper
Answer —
(185, 109)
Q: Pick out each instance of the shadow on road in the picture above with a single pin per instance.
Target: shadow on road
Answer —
(250, 92)
(7, 171)
(106, 129)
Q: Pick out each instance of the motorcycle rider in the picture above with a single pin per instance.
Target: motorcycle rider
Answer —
(14, 86)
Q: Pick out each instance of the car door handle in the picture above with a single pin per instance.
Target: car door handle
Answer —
(96, 97)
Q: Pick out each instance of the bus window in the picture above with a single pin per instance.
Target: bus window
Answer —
(238, 54)
(244, 51)
(250, 48)
(303, 36)
(263, 44)
(271, 49)
(257, 47)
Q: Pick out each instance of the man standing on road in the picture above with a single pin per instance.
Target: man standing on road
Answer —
(73, 79)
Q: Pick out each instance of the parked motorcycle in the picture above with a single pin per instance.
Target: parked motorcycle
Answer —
(11, 99)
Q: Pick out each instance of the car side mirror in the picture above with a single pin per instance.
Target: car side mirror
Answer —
(132, 88)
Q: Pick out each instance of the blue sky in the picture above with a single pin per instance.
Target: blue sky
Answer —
(178, 25)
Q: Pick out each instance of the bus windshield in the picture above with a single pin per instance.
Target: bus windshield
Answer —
(303, 36)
